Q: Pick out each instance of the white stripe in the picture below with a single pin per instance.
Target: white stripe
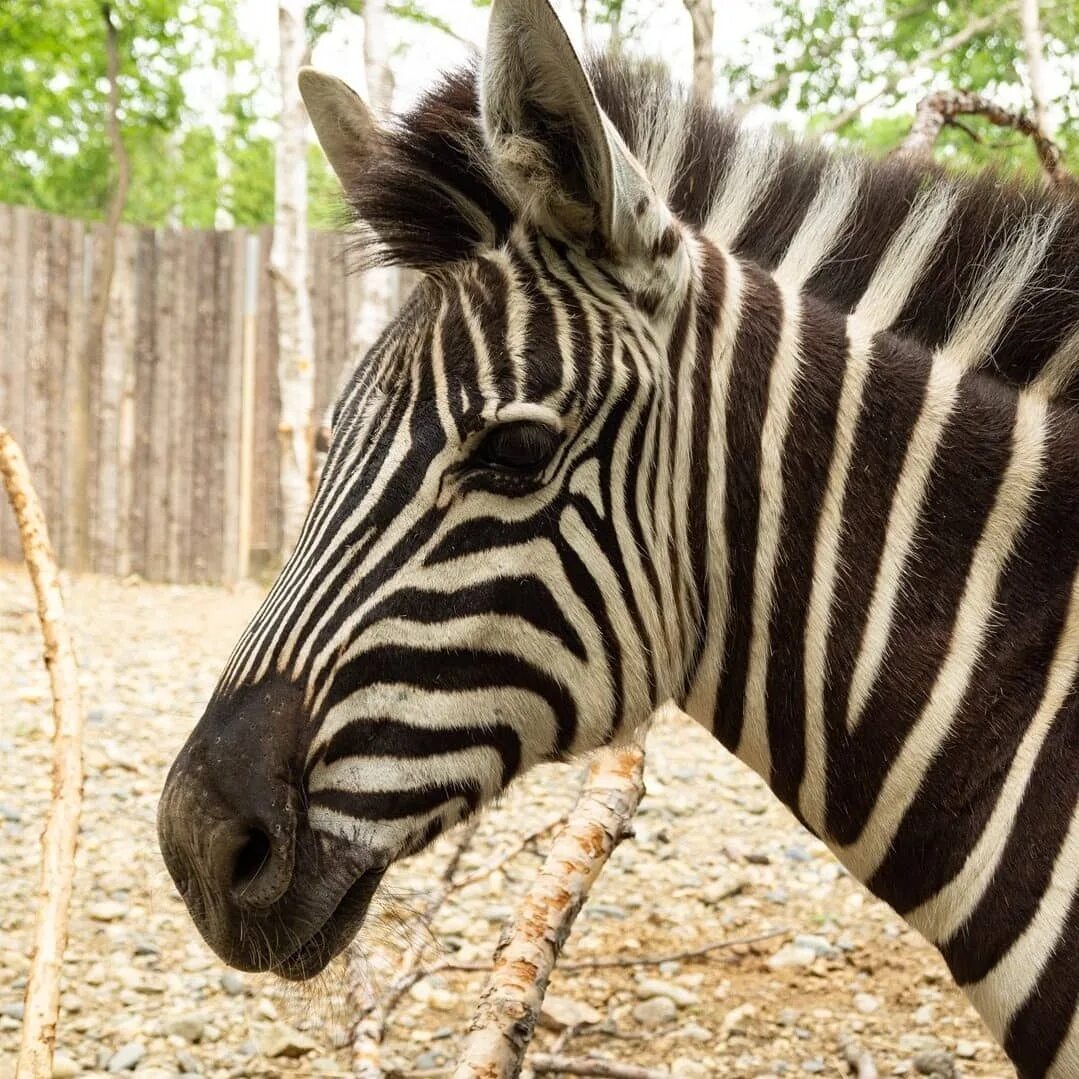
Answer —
(940, 917)
(824, 224)
(753, 165)
(972, 623)
(911, 250)
(753, 745)
(1066, 1063)
(813, 792)
(702, 697)
(1003, 991)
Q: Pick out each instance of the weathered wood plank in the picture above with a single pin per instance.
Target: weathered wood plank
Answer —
(9, 539)
(144, 367)
(181, 433)
(56, 331)
(162, 404)
(76, 404)
(231, 312)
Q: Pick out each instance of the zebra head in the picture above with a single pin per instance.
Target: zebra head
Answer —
(486, 578)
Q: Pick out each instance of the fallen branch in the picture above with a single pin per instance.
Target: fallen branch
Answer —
(510, 1004)
(555, 1064)
(944, 107)
(61, 834)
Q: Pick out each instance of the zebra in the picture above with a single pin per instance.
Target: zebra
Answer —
(679, 410)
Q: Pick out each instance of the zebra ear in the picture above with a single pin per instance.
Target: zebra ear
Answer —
(553, 146)
(344, 124)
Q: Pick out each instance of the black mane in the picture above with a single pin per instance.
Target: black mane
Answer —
(429, 198)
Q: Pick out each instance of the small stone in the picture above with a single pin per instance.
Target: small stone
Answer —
(233, 984)
(266, 1009)
(187, 1063)
(819, 945)
(923, 1016)
(937, 1064)
(734, 1022)
(63, 1067)
(125, 1058)
(558, 1013)
(189, 1027)
(685, 1068)
(106, 911)
(655, 987)
(655, 1012)
(866, 1003)
(814, 1066)
(792, 955)
(694, 1032)
(15, 1010)
(281, 1040)
(966, 1050)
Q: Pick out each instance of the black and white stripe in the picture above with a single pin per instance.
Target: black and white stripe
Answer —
(816, 479)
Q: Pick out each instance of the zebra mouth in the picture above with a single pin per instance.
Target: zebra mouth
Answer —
(333, 936)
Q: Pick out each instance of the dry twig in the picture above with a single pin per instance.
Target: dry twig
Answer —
(62, 828)
(510, 1004)
(556, 1064)
(942, 109)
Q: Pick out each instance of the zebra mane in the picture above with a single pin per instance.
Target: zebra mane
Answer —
(429, 197)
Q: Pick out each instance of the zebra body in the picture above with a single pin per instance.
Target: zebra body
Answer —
(679, 411)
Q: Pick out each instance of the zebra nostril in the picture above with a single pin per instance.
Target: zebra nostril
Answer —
(252, 857)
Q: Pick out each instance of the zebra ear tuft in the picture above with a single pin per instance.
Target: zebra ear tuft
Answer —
(345, 127)
(553, 147)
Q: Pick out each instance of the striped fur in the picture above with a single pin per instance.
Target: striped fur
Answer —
(815, 477)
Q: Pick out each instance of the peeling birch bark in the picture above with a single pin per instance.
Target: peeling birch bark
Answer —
(42, 1001)
(510, 1003)
(289, 266)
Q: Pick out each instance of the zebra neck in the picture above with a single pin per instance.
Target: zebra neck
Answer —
(890, 608)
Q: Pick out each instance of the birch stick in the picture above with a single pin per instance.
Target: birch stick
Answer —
(510, 1004)
(62, 828)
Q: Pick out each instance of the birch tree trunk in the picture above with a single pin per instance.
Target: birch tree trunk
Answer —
(702, 16)
(380, 283)
(1034, 49)
(289, 265)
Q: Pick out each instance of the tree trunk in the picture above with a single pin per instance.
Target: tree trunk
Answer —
(1035, 57)
(380, 284)
(289, 266)
(94, 343)
(703, 18)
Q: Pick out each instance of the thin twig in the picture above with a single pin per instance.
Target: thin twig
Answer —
(42, 1001)
(553, 1064)
(499, 860)
(625, 961)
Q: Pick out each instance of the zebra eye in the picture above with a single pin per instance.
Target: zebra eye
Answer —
(517, 447)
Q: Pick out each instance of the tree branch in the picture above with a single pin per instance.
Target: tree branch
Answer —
(556, 1064)
(510, 1004)
(942, 108)
(62, 827)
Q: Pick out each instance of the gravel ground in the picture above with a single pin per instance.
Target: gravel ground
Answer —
(714, 858)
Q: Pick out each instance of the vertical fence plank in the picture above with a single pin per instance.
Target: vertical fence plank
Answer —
(181, 435)
(145, 372)
(217, 392)
(56, 330)
(126, 328)
(201, 370)
(252, 265)
(8, 271)
(161, 405)
(17, 309)
(34, 438)
(76, 404)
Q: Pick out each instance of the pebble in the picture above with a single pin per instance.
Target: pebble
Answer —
(282, 1040)
(106, 911)
(233, 984)
(126, 1058)
(189, 1027)
(655, 1012)
(792, 955)
(866, 1003)
(557, 1013)
(687, 1068)
(63, 1067)
(654, 987)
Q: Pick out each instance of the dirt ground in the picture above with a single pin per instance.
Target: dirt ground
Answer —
(715, 858)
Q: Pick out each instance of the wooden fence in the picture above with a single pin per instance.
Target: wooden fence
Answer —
(163, 460)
